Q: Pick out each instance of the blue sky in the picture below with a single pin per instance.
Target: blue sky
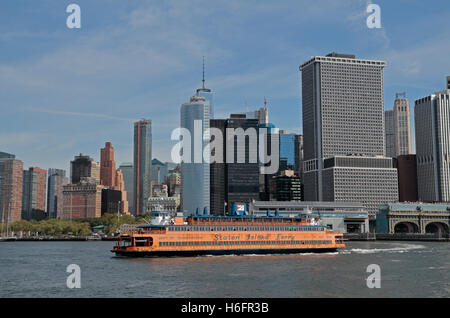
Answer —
(65, 91)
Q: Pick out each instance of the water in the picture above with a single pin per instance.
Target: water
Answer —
(408, 269)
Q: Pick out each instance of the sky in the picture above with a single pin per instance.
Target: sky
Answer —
(68, 91)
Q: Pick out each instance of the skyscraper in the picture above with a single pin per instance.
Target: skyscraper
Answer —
(107, 165)
(142, 164)
(242, 179)
(233, 182)
(389, 133)
(55, 181)
(432, 123)
(402, 126)
(11, 178)
(33, 194)
(82, 200)
(84, 167)
(343, 120)
(287, 150)
(195, 173)
(128, 179)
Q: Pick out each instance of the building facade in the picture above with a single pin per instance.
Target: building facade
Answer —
(56, 179)
(11, 187)
(369, 180)
(288, 187)
(345, 217)
(33, 194)
(233, 181)
(83, 167)
(128, 179)
(432, 124)
(82, 200)
(195, 174)
(414, 217)
(389, 132)
(402, 126)
(107, 166)
(407, 178)
(343, 115)
(142, 164)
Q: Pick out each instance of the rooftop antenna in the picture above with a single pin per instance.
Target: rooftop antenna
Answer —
(246, 106)
(203, 86)
(203, 89)
(265, 102)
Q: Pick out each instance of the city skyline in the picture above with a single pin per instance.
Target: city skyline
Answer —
(49, 115)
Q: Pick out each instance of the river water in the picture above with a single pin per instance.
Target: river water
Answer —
(407, 269)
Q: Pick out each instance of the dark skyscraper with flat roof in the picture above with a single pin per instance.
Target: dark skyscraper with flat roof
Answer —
(234, 182)
(33, 194)
(142, 165)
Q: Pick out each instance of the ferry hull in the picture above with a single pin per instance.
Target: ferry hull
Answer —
(187, 253)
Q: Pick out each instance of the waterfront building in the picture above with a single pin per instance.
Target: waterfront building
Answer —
(407, 178)
(369, 180)
(344, 120)
(82, 200)
(142, 164)
(107, 166)
(414, 217)
(345, 217)
(111, 201)
(162, 203)
(432, 124)
(33, 194)
(195, 174)
(11, 187)
(55, 181)
(84, 167)
(288, 186)
(128, 179)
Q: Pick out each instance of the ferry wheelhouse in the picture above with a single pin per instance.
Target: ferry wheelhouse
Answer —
(220, 235)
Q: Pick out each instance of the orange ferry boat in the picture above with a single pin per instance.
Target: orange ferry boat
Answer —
(225, 235)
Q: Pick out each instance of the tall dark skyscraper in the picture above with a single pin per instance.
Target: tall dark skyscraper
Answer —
(33, 194)
(142, 165)
(84, 167)
(234, 182)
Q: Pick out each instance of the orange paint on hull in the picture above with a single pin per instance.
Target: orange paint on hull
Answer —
(223, 235)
